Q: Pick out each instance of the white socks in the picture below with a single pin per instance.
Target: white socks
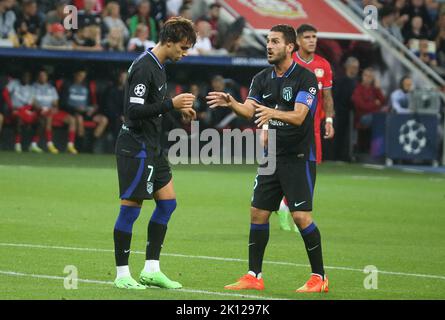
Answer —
(152, 266)
(258, 276)
(122, 271)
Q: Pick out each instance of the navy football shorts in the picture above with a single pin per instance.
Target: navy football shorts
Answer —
(293, 178)
(141, 173)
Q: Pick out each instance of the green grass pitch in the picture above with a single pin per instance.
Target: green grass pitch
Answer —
(60, 210)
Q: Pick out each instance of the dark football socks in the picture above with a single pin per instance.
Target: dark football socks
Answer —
(156, 234)
(122, 233)
(312, 241)
(258, 238)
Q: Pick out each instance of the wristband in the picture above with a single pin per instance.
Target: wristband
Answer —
(329, 120)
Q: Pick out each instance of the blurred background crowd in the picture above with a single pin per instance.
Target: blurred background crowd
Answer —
(88, 98)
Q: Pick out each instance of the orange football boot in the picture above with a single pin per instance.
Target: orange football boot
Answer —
(247, 282)
(315, 284)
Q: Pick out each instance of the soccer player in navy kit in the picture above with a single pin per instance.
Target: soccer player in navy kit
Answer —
(283, 97)
(143, 171)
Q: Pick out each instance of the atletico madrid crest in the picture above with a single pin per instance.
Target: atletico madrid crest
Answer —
(287, 93)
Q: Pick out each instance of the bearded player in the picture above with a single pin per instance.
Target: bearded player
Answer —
(306, 57)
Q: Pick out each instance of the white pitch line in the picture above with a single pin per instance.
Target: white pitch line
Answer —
(213, 293)
(38, 246)
(369, 177)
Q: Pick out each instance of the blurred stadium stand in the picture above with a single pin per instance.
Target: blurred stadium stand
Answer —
(342, 34)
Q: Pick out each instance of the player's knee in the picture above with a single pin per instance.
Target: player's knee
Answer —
(302, 219)
(127, 217)
(163, 211)
(258, 216)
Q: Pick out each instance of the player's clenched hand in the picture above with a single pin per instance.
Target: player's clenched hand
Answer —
(219, 99)
(183, 100)
(328, 130)
(263, 114)
(188, 114)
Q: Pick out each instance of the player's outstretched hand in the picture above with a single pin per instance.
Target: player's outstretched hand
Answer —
(188, 114)
(263, 114)
(219, 99)
(183, 100)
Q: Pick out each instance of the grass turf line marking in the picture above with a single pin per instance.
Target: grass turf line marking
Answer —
(44, 276)
(369, 177)
(38, 246)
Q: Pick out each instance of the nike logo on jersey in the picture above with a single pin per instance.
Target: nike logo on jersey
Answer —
(251, 244)
(266, 95)
(160, 88)
(299, 204)
(127, 251)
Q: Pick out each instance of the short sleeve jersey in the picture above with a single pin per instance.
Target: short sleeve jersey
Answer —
(297, 85)
(21, 94)
(146, 84)
(323, 71)
(45, 94)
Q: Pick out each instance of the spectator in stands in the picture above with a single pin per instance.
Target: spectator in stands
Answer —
(56, 38)
(427, 52)
(415, 29)
(232, 38)
(96, 7)
(89, 15)
(8, 36)
(342, 93)
(200, 106)
(186, 12)
(19, 97)
(88, 39)
(440, 47)
(439, 25)
(127, 8)
(223, 117)
(367, 99)
(88, 36)
(159, 12)
(77, 100)
(112, 103)
(203, 45)
(173, 6)
(432, 7)
(57, 15)
(28, 24)
(399, 7)
(417, 8)
(46, 100)
(112, 19)
(143, 17)
(213, 18)
(388, 21)
(400, 97)
(140, 43)
(114, 40)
